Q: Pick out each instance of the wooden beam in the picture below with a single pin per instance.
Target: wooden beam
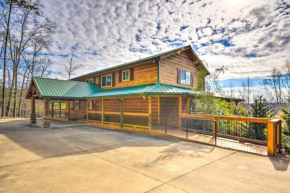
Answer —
(180, 112)
(150, 112)
(32, 115)
(68, 110)
(46, 122)
(102, 111)
(158, 112)
(271, 147)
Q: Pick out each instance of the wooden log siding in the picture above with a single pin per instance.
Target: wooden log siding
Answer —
(183, 61)
(80, 113)
(145, 73)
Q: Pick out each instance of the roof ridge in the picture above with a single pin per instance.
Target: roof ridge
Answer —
(37, 77)
(146, 59)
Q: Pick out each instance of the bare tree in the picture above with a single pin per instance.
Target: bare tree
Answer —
(20, 39)
(286, 80)
(273, 85)
(246, 92)
(70, 68)
(44, 63)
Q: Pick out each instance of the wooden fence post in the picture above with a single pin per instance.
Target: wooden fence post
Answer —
(271, 138)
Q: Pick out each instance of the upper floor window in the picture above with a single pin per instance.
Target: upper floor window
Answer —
(90, 80)
(107, 80)
(185, 77)
(126, 75)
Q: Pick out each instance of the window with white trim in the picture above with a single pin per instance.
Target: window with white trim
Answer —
(185, 77)
(107, 80)
(126, 75)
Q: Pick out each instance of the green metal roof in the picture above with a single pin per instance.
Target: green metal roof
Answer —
(143, 60)
(54, 88)
(66, 89)
(152, 89)
(144, 90)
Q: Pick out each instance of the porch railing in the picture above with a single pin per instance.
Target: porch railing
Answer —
(261, 131)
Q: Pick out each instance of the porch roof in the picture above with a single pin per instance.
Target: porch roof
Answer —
(62, 89)
(144, 90)
(67, 89)
(152, 89)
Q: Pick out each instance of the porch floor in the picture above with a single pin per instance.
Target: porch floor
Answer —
(221, 142)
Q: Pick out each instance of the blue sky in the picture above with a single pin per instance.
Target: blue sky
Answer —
(249, 37)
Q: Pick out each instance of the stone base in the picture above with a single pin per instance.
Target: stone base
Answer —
(46, 122)
(32, 118)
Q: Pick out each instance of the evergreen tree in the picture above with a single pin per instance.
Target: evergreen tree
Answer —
(260, 108)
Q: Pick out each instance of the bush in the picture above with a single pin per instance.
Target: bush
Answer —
(286, 119)
(286, 143)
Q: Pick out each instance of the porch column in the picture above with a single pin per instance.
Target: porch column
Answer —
(32, 115)
(180, 112)
(121, 113)
(46, 121)
(149, 112)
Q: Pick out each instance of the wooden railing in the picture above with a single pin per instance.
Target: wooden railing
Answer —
(247, 128)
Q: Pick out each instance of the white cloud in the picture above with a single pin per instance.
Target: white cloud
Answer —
(225, 31)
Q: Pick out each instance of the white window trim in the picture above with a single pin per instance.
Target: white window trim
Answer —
(123, 80)
(185, 77)
(102, 80)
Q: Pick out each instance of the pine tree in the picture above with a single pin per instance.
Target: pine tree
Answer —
(260, 108)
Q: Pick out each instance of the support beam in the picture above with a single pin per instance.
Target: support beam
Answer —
(121, 113)
(150, 112)
(271, 139)
(158, 109)
(180, 112)
(68, 110)
(46, 122)
(32, 115)
(102, 111)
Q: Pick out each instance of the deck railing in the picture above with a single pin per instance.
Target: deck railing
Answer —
(262, 131)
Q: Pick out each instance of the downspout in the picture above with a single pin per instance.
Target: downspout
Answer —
(121, 112)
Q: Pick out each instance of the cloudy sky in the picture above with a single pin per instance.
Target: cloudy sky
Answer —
(249, 37)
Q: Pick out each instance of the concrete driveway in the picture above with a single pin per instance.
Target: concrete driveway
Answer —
(73, 157)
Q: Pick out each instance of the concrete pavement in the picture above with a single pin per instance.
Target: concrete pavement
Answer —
(73, 157)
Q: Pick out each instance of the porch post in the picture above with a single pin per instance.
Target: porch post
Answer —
(46, 122)
(158, 110)
(180, 112)
(68, 110)
(102, 111)
(32, 115)
(121, 113)
(149, 112)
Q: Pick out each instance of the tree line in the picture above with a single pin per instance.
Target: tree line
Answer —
(25, 42)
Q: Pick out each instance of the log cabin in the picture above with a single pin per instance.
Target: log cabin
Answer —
(126, 96)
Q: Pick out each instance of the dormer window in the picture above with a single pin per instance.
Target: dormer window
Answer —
(126, 75)
(107, 80)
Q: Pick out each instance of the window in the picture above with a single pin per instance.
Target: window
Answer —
(55, 105)
(185, 77)
(63, 105)
(77, 104)
(107, 80)
(126, 75)
(90, 80)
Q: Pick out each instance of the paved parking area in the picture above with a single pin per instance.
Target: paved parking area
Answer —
(73, 157)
